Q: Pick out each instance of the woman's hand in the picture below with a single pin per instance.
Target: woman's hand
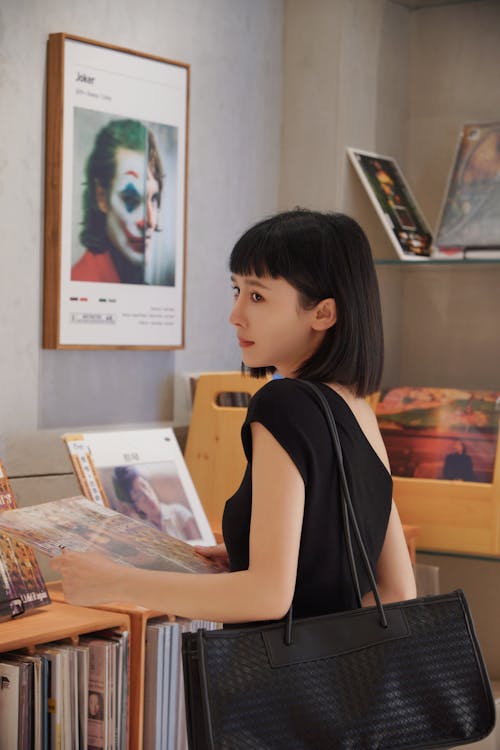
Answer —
(216, 554)
(89, 578)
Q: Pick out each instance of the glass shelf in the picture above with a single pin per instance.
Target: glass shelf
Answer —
(462, 555)
(435, 262)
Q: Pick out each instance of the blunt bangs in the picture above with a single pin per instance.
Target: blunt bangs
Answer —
(323, 255)
(260, 252)
(285, 246)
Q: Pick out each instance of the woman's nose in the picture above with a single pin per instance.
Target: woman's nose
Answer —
(236, 316)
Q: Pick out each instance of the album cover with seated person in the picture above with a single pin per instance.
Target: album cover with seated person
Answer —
(440, 433)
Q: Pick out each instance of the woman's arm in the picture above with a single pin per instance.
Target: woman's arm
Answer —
(394, 574)
(262, 592)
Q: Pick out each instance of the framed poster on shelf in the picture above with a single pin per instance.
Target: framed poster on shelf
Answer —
(470, 218)
(115, 197)
(142, 474)
(394, 203)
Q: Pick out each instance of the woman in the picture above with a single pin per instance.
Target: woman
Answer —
(306, 305)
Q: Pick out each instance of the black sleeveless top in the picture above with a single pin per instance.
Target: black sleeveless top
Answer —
(295, 420)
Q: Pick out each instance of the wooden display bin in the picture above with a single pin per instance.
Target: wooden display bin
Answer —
(452, 516)
(214, 455)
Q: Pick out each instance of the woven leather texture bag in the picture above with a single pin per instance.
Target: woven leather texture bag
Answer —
(389, 677)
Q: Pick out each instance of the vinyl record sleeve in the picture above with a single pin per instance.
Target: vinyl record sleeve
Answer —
(81, 525)
(394, 203)
(470, 217)
(22, 586)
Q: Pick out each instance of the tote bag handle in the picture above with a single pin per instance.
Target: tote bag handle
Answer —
(350, 523)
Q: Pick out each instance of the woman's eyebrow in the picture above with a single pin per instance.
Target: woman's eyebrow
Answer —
(251, 281)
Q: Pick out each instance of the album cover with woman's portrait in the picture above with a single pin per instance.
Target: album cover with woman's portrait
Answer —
(141, 474)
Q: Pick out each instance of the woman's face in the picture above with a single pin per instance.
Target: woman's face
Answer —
(131, 206)
(272, 327)
(145, 501)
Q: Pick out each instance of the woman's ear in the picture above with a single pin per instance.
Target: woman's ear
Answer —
(100, 197)
(325, 314)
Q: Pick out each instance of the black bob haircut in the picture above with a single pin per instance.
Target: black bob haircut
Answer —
(323, 255)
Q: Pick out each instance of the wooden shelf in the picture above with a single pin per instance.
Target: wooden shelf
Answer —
(56, 622)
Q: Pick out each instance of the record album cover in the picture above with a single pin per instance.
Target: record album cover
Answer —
(394, 203)
(142, 474)
(82, 525)
(470, 217)
(440, 433)
(22, 586)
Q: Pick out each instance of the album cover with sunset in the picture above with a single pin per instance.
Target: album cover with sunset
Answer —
(440, 433)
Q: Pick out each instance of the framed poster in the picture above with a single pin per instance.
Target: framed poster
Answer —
(142, 474)
(394, 203)
(115, 197)
(470, 218)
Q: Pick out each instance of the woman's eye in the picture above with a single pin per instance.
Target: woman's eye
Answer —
(256, 297)
(236, 291)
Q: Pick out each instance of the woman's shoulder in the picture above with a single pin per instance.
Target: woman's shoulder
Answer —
(279, 394)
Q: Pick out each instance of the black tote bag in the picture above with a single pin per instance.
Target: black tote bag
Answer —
(389, 677)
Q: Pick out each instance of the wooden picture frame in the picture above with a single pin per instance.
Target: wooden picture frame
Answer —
(115, 197)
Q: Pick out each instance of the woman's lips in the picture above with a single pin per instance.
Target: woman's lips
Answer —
(244, 344)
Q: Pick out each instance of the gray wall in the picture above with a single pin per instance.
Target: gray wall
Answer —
(345, 85)
(235, 51)
(450, 316)
(375, 75)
